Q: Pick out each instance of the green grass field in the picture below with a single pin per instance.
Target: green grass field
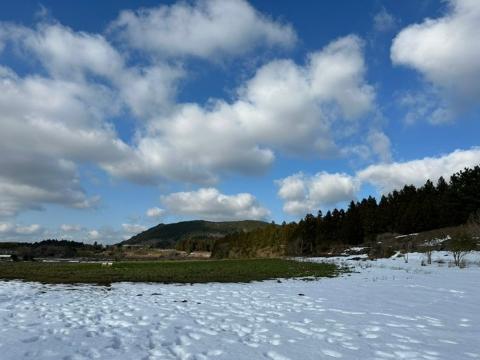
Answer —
(165, 271)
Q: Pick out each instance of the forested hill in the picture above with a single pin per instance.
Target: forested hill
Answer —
(405, 211)
(196, 235)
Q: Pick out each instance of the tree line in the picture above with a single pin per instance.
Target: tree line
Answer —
(405, 211)
(51, 248)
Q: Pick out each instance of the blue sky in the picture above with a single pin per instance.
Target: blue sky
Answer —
(116, 115)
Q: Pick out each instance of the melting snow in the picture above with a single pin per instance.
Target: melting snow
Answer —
(386, 310)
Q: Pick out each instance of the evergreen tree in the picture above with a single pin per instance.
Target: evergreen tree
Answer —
(404, 211)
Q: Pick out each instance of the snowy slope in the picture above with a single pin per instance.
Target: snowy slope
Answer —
(388, 310)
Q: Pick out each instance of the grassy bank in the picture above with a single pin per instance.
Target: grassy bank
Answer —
(165, 271)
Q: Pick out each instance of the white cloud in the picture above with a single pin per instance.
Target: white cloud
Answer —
(380, 145)
(149, 91)
(94, 235)
(19, 232)
(46, 126)
(34, 232)
(29, 229)
(5, 227)
(104, 235)
(376, 146)
(285, 107)
(133, 228)
(387, 177)
(66, 53)
(338, 75)
(70, 227)
(210, 204)
(80, 57)
(50, 124)
(446, 52)
(56, 182)
(155, 212)
(205, 28)
(302, 193)
(425, 104)
(384, 21)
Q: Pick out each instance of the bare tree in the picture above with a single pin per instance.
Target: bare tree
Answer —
(461, 244)
(407, 250)
(428, 250)
(431, 245)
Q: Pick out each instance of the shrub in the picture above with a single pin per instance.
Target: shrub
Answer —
(460, 245)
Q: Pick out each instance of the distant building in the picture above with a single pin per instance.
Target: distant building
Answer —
(4, 257)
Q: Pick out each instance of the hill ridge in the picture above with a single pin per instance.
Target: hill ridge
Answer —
(169, 235)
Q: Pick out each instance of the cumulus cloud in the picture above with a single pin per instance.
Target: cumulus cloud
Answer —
(387, 177)
(210, 204)
(94, 235)
(56, 182)
(149, 91)
(103, 235)
(79, 56)
(28, 230)
(10, 231)
(133, 228)
(446, 52)
(70, 227)
(302, 193)
(19, 232)
(155, 212)
(4, 227)
(50, 124)
(63, 117)
(285, 107)
(65, 53)
(205, 28)
(46, 126)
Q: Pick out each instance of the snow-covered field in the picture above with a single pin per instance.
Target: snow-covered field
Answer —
(388, 310)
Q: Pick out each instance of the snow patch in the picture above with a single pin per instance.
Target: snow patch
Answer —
(385, 309)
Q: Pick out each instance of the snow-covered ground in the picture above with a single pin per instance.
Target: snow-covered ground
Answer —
(387, 310)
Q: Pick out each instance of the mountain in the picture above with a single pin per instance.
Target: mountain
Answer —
(169, 235)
